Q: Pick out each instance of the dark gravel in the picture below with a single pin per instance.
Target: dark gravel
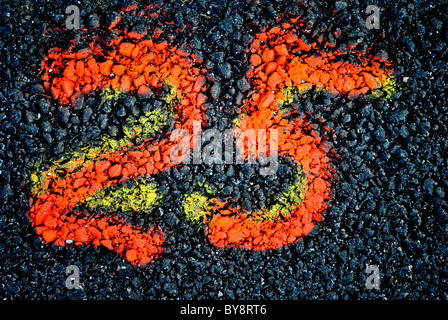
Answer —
(389, 207)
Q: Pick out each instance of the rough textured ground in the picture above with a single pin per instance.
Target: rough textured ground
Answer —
(388, 209)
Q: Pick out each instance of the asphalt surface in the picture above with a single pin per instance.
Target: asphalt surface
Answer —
(389, 205)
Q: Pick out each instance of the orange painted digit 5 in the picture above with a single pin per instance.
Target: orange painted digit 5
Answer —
(283, 65)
